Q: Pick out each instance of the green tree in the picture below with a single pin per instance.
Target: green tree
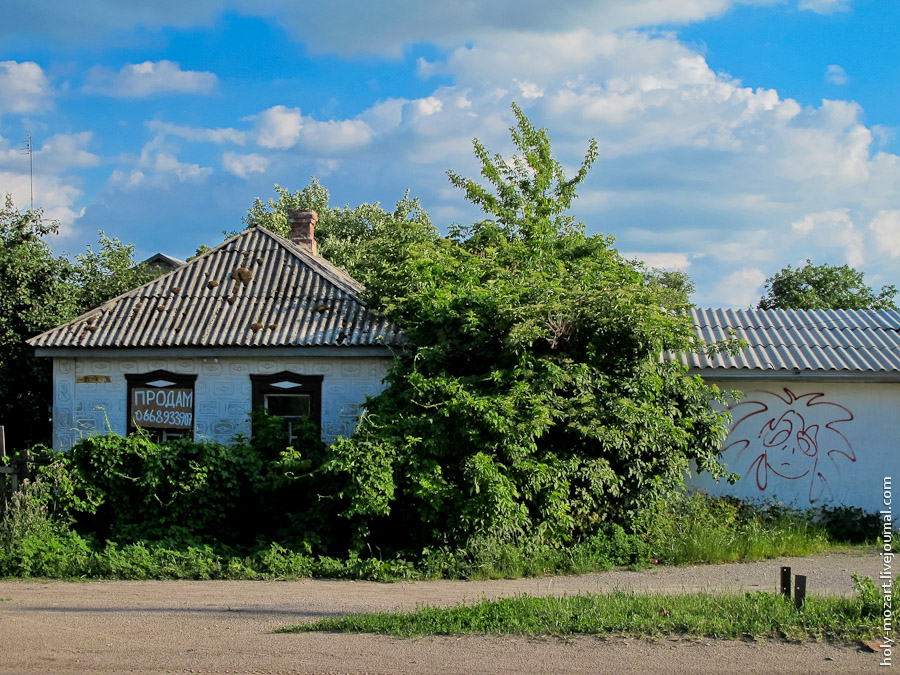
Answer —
(531, 402)
(108, 272)
(34, 296)
(824, 287)
(345, 235)
(37, 292)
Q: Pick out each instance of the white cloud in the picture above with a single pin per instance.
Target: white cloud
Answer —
(244, 165)
(281, 128)
(150, 78)
(667, 261)
(741, 288)
(24, 88)
(885, 227)
(825, 6)
(835, 230)
(529, 89)
(834, 74)
(159, 166)
(355, 26)
(66, 151)
(188, 133)
(52, 194)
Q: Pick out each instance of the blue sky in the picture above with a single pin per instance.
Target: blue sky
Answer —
(735, 137)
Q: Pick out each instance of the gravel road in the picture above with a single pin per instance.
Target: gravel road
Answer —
(227, 626)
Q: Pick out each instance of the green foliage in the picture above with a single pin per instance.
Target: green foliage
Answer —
(824, 287)
(32, 541)
(34, 296)
(723, 616)
(531, 402)
(107, 273)
(701, 529)
(345, 236)
(37, 292)
(183, 492)
(849, 524)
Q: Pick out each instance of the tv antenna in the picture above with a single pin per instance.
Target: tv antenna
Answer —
(29, 150)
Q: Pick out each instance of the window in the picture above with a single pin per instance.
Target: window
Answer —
(162, 403)
(290, 396)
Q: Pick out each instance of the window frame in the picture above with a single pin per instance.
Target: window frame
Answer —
(179, 381)
(311, 385)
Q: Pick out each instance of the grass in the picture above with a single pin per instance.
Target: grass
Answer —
(728, 616)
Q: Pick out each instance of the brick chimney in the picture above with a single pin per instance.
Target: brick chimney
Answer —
(303, 227)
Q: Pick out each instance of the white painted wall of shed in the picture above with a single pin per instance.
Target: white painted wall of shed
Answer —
(222, 392)
(872, 435)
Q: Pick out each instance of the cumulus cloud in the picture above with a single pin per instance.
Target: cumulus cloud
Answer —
(66, 151)
(834, 74)
(885, 227)
(159, 166)
(666, 261)
(244, 165)
(355, 26)
(199, 135)
(281, 128)
(741, 288)
(150, 78)
(836, 228)
(825, 6)
(24, 88)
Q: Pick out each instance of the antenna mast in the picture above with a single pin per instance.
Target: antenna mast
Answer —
(29, 148)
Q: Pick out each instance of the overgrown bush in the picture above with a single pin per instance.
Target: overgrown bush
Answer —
(34, 543)
(530, 402)
(186, 492)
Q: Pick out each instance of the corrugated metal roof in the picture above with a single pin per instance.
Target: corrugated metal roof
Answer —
(257, 290)
(866, 341)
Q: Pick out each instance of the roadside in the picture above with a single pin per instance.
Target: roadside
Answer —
(226, 626)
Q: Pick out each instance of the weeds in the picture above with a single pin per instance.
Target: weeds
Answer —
(728, 616)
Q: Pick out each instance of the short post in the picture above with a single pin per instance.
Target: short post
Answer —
(786, 582)
(799, 591)
(2, 442)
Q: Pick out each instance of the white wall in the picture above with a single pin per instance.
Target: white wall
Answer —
(816, 443)
(222, 392)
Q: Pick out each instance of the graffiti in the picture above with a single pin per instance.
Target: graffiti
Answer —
(790, 437)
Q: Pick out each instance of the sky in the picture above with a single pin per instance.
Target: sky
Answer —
(735, 137)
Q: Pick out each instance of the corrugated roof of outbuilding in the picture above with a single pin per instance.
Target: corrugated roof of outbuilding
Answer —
(257, 289)
(859, 341)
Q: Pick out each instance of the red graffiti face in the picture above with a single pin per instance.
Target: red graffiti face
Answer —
(790, 445)
(789, 437)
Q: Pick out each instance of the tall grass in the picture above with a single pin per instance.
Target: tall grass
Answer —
(701, 529)
(620, 613)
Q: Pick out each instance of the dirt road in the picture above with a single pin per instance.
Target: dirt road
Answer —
(227, 626)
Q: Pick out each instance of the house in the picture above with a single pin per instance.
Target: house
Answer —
(258, 321)
(161, 263)
(819, 421)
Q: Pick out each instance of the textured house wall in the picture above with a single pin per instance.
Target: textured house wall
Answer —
(809, 444)
(90, 394)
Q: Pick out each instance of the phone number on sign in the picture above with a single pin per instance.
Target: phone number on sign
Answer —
(182, 419)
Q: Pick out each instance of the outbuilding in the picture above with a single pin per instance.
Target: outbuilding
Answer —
(259, 321)
(819, 419)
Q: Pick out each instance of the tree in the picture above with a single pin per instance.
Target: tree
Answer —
(111, 271)
(345, 236)
(34, 296)
(37, 292)
(823, 287)
(531, 402)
